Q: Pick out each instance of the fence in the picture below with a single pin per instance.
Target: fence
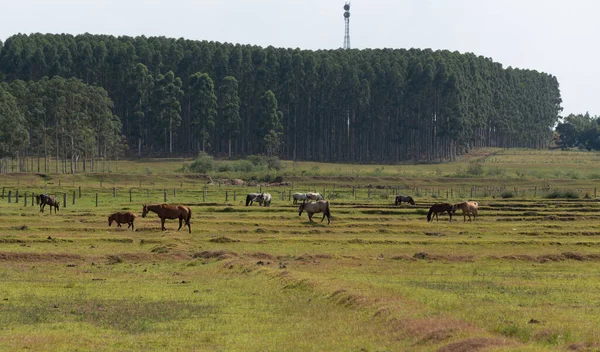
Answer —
(71, 196)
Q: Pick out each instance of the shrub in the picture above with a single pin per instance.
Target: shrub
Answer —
(243, 166)
(203, 163)
(507, 194)
(475, 169)
(569, 194)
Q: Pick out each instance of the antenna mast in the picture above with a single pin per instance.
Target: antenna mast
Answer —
(347, 22)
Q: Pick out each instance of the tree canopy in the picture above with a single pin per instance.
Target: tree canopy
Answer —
(373, 105)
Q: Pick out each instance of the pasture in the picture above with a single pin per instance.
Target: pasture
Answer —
(522, 277)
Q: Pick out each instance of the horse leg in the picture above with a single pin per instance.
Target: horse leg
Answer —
(450, 214)
(323, 218)
(180, 222)
(162, 224)
(310, 216)
(132, 228)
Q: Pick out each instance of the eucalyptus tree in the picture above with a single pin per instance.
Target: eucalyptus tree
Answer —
(203, 107)
(166, 107)
(229, 119)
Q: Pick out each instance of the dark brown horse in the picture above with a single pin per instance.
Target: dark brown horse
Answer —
(406, 199)
(167, 211)
(44, 199)
(440, 208)
(123, 218)
(321, 206)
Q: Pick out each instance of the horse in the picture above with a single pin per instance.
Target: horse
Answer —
(321, 206)
(167, 211)
(440, 208)
(314, 196)
(123, 218)
(299, 196)
(406, 199)
(44, 199)
(468, 208)
(251, 197)
(264, 199)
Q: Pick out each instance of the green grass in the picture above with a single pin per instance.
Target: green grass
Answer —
(379, 278)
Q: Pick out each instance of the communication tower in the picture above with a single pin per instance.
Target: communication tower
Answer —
(347, 22)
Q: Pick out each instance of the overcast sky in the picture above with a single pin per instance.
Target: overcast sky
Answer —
(558, 37)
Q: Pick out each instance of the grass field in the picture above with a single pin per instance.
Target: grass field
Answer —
(522, 277)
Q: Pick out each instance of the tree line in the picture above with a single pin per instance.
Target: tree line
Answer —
(579, 130)
(179, 97)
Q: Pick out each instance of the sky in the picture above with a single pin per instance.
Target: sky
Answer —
(561, 38)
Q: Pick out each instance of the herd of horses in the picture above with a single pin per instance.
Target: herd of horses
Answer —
(312, 203)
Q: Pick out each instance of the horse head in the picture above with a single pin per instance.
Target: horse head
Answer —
(411, 201)
(144, 210)
(110, 220)
(301, 208)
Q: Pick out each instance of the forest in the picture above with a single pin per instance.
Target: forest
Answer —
(87, 97)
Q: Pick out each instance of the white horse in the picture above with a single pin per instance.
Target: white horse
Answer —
(314, 196)
(264, 199)
(299, 196)
(321, 206)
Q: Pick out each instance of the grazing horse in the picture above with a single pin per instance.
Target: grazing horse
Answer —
(167, 211)
(468, 208)
(264, 199)
(314, 196)
(299, 196)
(251, 197)
(440, 208)
(321, 206)
(406, 199)
(44, 199)
(123, 218)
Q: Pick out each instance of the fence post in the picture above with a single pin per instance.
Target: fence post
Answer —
(9, 196)
(226, 196)
(534, 191)
(32, 198)
(25, 199)
(204, 194)
(165, 195)
(114, 192)
(174, 192)
(147, 193)
(130, 195)
(73, 197)
(96, 199)
(65, 200)
(368, 193)
(594, 192)
(79, 191)
(17, 196)
(2, 192)
(234, 196)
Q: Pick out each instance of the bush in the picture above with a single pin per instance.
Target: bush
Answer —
(203, 163)
(263, 161)
(507, 194)
(243, 166)
(475, 169)
(569, 194)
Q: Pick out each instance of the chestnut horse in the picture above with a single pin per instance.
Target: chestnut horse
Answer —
(123, 218)
(468, 208)
(167, 211)
(440, 208)
(321, 206)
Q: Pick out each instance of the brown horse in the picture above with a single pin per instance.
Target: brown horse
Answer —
(321, 206)
(468, 208)
(167, 211)
(440, 208)
(123, 218)
(44, 199)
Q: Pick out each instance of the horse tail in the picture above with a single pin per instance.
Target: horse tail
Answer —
(189, 215)
(429, 214)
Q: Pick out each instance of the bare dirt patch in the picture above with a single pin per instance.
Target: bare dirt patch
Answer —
(39, 257)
